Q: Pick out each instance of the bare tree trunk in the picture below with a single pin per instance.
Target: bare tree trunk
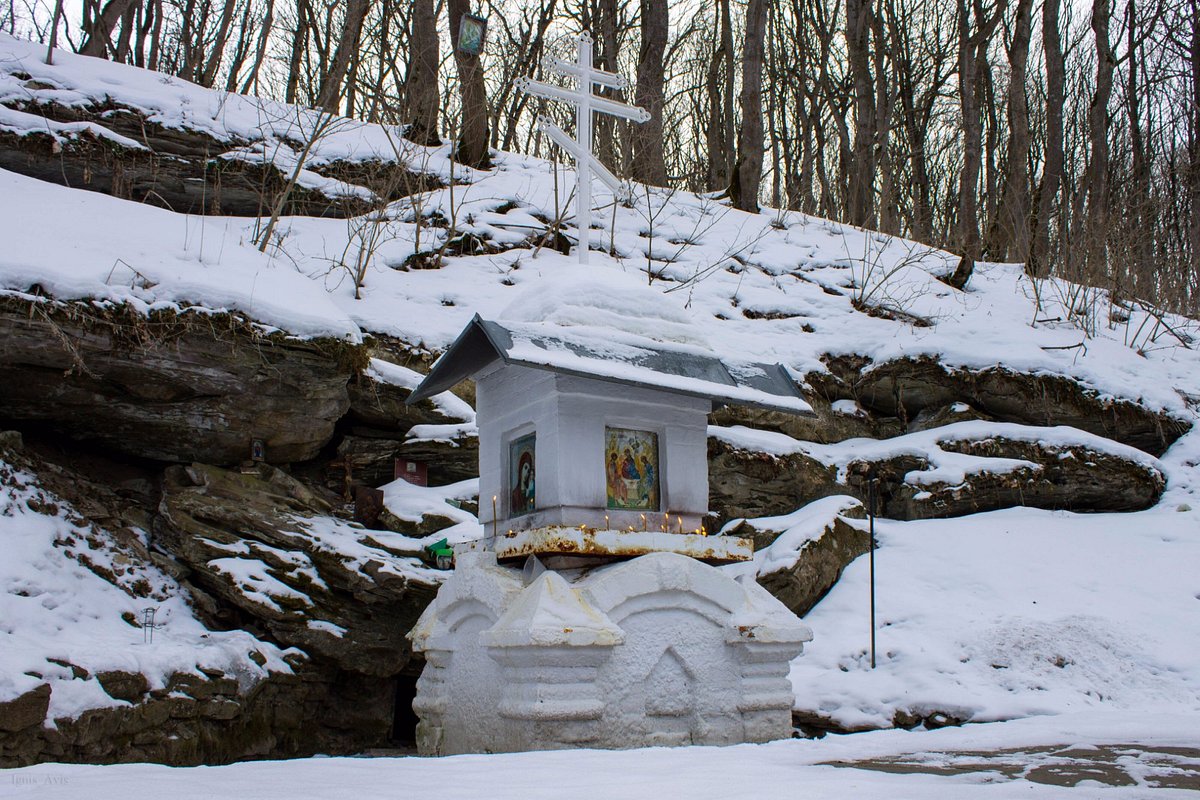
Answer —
(1096, 179)
(971, 47)
(607, 134)
(121, 51)
(1193, 167)
(208, 74)
(299, 44)
(99, 28)
(746, 178)
(331, 84)
(1009, 237)
(155, 36)
(719, 136)
(1052, 169)
(421, 84)
(649, 164)
(250, 86)
(1139, 268)
(472, 147)
(858, 49)
(58, 12)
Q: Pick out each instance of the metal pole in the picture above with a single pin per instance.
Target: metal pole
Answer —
(583, 171)
(871, 517)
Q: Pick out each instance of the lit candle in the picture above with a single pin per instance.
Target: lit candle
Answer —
(643, 522)
(667, 522)
(680, 519)
(606, 522)
(494, 517)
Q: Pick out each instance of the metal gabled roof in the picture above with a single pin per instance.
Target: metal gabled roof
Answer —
(615, 357)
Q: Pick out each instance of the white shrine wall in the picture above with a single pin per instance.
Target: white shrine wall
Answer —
(569, 415)
(658, 650)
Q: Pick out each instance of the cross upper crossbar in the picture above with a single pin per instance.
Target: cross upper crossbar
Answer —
(586, 102)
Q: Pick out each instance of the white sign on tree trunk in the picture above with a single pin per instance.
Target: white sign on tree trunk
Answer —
(586, 164)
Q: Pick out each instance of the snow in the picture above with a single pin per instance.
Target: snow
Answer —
(831, 767)
(151, 259)
(256, 583)
(1012, 613)
(53, 606)
(447, 403)
(797, 529)
(945, 466)
(411, 503)
(777, 287)
(1016, 613)
(620, 303)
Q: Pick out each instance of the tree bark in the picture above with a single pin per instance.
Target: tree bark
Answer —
(1052, 168)
(331, 84)
(421, 94)
(1009, 237)
(250, 86)
(971, 48)
(1193, 180)
(99, 28)
(1096, 178)
(472, 147)
(649, 164)
(862, 175)
(746, 178)
(296, 57)
(720, 132)
(208, 75)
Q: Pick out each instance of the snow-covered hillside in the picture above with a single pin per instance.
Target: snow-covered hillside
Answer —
(72, 603)
(993, 616)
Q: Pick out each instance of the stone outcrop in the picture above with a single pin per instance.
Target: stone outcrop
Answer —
(182, 170)
(801, 579)
(905, 388)
(1067, 477)
(828, 426)
(206, 718)
(309, 581)
(381, 423)
(817, 568)
(209, 717)
(170, 387)
(747, 484)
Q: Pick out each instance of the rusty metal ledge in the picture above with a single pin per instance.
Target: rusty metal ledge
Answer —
(612, 544)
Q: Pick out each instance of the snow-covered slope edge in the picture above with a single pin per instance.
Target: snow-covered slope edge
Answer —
(73, 598)
(781, 285)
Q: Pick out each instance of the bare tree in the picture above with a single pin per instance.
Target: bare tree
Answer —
(862, 177)
(1054, 158)
(421, 96)
(649, 164)
(1009, 233)
(331, 83)
(472, 146)
(1096, 178)
(746, 177)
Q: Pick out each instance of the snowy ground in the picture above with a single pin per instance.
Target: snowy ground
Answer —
(991, 617)
(1045, 757)
(74, 594)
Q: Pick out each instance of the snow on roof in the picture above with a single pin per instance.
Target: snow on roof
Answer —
(613, 356)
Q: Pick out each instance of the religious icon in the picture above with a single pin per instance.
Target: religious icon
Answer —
(631, 468)
(521, 474)
(472, 30)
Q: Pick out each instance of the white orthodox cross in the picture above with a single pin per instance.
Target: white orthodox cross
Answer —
(586, 164)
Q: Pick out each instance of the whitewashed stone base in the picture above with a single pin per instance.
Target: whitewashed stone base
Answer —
(658, 650)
